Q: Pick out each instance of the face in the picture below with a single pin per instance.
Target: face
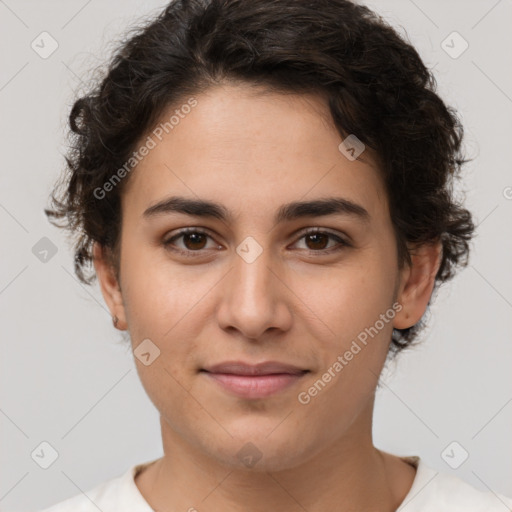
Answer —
(259, 278)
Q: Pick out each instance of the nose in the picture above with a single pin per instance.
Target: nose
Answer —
(255, 297)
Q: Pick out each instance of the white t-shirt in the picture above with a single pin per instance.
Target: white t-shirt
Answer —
(431, 491)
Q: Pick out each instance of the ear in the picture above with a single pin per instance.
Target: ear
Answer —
(109, 285)
(417, 283)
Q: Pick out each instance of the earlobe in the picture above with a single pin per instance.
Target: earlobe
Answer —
(417, 283)
(109, 285)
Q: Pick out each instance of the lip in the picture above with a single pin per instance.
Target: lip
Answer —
(264, 368)
(254, 381)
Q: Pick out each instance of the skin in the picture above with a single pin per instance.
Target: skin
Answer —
(252, 151)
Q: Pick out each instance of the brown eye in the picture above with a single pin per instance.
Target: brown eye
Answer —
(317, 241)
(192, 240)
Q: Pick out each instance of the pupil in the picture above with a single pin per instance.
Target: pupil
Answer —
(194, 237)
(315, 237)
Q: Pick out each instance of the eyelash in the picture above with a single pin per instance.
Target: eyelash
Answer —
(168, 244)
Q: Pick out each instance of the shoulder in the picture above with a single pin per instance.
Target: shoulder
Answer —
(437, 491)
(460, 495)
(117, 494)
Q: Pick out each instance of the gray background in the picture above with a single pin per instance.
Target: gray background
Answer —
(67, 380)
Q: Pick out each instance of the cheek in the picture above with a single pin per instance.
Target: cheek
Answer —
(353, 297)
(353, 357)
(170, 392)
(166, 305)
(155, 294)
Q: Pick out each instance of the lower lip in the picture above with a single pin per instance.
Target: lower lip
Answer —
(255, 386)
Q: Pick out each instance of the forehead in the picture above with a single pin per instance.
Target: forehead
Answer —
(249, 148)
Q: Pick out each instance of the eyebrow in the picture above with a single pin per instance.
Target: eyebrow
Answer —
(287, 212)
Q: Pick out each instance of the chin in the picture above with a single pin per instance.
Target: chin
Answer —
(262, 449)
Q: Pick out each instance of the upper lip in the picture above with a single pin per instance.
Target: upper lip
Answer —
(265, 368)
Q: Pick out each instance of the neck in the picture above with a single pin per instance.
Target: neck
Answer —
(349, 474)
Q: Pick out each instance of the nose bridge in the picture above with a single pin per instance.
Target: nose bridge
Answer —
(251, 274)
(249, 301)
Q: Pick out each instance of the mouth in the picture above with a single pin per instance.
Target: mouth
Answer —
(254, 381)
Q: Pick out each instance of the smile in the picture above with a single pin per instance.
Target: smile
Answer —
(250, 380)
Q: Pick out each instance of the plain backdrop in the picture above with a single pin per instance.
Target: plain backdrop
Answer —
(67, 380)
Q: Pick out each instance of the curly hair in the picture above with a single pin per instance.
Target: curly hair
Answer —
(373, 80)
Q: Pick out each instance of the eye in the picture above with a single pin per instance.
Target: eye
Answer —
(195, 240)
(317, 241)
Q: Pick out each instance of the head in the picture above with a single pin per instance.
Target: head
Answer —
(296, 251)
